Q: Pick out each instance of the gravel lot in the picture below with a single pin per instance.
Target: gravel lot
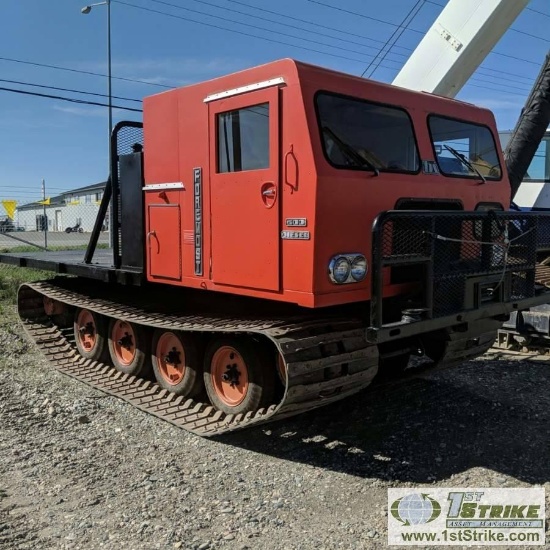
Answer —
(79, 469)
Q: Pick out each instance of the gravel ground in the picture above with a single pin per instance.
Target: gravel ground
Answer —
(79, 469)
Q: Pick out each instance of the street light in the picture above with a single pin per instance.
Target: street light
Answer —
(86, 10)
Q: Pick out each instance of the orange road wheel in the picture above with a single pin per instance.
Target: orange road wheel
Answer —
(89, 334)
(236, 379)
(176, 363)
(128, 347)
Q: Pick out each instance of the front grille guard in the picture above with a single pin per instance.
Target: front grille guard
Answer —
(455, 262)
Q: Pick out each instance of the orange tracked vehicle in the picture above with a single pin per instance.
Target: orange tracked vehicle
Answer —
(281, 235)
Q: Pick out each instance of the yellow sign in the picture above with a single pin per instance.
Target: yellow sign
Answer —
(45, 202)
(9, 207)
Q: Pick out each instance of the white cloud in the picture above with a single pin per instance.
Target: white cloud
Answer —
(88, 111)
(170, 71)
(497, 104)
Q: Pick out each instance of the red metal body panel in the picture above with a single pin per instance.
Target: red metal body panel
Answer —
(245, 207)
(163, 243)
(241, 248)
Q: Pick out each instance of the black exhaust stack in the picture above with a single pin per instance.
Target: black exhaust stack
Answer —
(530, 129)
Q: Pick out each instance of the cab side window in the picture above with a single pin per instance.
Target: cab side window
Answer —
(243, 139)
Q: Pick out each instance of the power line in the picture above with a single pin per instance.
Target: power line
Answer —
(507, 86)
(66, 90)
(71, 100)
(514, 57)
(357, 14)
(539, 12)
(511, 28)
(243, 33)
(395, 36)
(499, 72)
(319, 25)
(323, 26)
(71, 70)
(256, 27)
(530, 35)
(269, 39)
(285, 24)
(493, 89)
(286, 16)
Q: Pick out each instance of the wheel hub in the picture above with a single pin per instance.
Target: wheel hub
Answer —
(88, 329)
(126, 341)
(173, 357)
(232, 375)
(229, 375)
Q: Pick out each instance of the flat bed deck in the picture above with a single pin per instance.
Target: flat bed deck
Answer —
(71, 262)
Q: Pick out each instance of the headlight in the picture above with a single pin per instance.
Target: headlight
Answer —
(347, 268)
(339, 269)
(359, 268)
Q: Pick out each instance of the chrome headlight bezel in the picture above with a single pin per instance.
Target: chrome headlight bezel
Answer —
(347, 259)
(363, 270)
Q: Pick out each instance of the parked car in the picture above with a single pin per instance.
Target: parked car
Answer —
(7, 225)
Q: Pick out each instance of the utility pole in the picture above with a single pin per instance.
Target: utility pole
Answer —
(45, 218)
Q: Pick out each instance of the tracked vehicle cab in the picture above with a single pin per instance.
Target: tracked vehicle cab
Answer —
(258, 183)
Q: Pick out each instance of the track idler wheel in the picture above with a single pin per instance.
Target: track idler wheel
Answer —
(176, 363)
(89, 334)
(237, 377)
(129, 348)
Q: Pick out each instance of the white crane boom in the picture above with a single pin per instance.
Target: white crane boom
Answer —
(456, 44)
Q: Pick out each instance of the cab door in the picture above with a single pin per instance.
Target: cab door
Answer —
(244, 189)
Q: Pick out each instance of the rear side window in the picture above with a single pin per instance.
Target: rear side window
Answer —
(354, 130)
(243, 139)
(462, 148)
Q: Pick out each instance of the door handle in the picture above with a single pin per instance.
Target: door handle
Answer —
(148, 239)
(269, 194)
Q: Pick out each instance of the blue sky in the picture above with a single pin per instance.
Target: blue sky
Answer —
(66, 143)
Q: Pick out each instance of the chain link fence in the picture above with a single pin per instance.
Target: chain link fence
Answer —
(66, 221)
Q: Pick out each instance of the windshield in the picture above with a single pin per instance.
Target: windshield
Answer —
(360, 135)
(453, 139)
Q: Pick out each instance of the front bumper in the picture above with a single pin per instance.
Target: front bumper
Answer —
(463, 267)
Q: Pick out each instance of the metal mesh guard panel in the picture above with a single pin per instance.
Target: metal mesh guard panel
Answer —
(127, 137)
(463, 254)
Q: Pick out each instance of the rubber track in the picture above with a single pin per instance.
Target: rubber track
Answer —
(326, 360)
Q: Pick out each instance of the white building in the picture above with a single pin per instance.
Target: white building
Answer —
(77, 206)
